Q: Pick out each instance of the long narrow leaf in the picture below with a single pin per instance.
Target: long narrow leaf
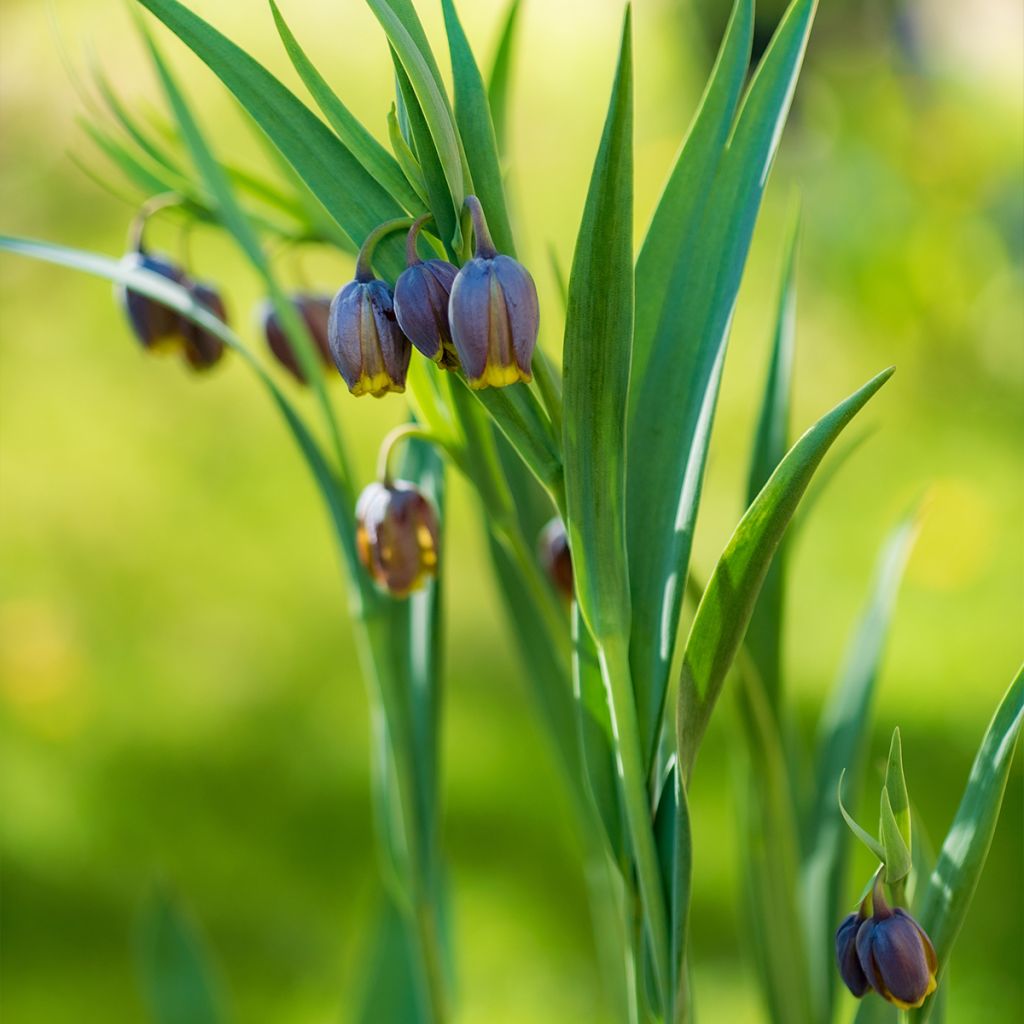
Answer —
(413, 53)
(379, 163)
(725, 608)
(596, 361)
(351, 195)
(676, 376)
(499, 79)
(842, 739)
(965, 850)
(764, 634)
(473, 118)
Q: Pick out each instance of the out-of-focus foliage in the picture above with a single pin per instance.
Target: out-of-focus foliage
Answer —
(179, 692)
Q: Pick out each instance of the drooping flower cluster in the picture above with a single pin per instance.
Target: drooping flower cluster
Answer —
(888, 953)
(483, 318)
(158, 327)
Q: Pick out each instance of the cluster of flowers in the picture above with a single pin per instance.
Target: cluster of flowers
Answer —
(888, 952)
(482, 320)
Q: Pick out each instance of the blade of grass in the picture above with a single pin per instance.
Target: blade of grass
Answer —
(728, 600)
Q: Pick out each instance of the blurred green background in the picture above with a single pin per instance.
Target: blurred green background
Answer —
(179, 694)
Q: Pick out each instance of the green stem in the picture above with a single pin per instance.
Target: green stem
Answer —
(613, 654)
(485, 248)
(364, 268)
(421, 907)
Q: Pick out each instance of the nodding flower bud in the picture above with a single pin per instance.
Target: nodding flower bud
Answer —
(397, 536)
(368, 346)
(160, 328)
(896, 954)
(553, 548)
(315, 311)
(493, 313)
(850, 969)
(422, 292)
(203, 349)
(155, 325)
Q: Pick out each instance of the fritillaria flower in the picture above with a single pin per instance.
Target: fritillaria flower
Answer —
(493, 313)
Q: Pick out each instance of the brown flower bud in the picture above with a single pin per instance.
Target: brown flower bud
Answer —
(397, 536)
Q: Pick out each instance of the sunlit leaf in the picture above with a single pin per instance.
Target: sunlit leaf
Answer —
(728, 600)
(500, 77)
(950, 890)
(351, 195)
(687, 283)
(473, 117)
(380, 164)
(771, 441)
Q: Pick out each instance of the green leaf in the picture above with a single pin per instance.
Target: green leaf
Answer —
(770, 857)
(896, 854)
(597, 740)
(596, 358)
(842, 739)
(861, 833)
(517, 413)
(473, 118)
(351, 195)
(951, 887)
(388, 988)
(413, 52)
(725, 608)
(434, 181)
(216, 180)
(151, 179)
(177, 978)
(131, 127)
(694, 260)
(675, 857)
(499, 79)
(377, 161)
(896, 788)
(405, 156)
(596, 361)
(764, 635)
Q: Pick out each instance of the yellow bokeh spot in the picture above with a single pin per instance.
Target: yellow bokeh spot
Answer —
(958, 536)
(40, 668)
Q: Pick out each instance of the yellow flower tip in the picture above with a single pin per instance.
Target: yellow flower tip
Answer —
(496, 375)
(377, 384)
(932, 985)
